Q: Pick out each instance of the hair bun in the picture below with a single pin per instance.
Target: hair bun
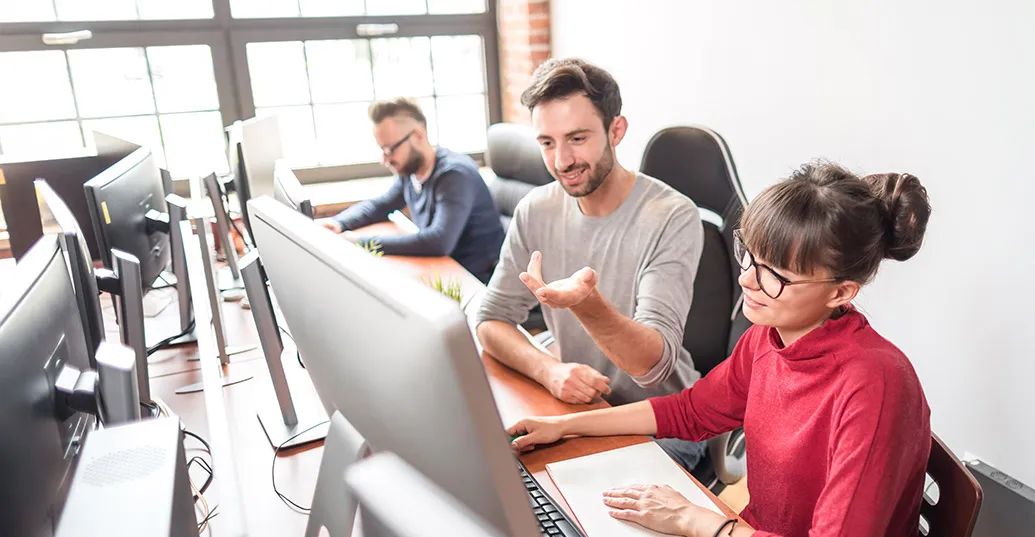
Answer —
(905, 209)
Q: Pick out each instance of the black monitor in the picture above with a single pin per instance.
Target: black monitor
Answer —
(239, 184)
(40, 333)
(66, 176)
(55, 212)
(120, 198)
(288, 190)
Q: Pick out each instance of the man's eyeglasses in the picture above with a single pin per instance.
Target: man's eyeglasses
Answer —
(769, 281)
(388, 150)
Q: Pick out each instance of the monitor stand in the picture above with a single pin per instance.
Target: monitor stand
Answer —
(161, 326)
(298, 417)
(202, 267)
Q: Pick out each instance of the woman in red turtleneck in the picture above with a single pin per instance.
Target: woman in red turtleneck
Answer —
(837, 425)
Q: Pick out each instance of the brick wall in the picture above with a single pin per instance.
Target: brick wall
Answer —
(524, 32)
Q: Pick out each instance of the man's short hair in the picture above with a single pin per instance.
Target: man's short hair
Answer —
(561, 78)
(382, 110)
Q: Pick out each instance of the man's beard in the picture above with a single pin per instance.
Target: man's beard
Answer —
(414, 163)
(597, 175)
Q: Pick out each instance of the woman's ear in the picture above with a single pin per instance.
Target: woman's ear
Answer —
(843, 293)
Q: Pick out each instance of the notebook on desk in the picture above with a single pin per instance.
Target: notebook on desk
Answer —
(583, 480)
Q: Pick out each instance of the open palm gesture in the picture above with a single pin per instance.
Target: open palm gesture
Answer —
(566, 293)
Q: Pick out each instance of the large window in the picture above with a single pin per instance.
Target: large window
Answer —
(172, 74)
(164, 97)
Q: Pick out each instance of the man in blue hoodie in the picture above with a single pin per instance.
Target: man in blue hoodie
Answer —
(447, 197)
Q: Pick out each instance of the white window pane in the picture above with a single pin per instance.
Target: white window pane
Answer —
(111, 82)
(41, 139)
(440, 7)
(259, 9)
(459, 68)
(38, 82)
(339, 71)
(194, 144)
(26, 10)
(427, 105)
(402, 67)
(344, 134)
(297, 134)
(96, 10)
(396, 7)
(331, 8)
(141, 130)
(278, 73)
(180, 9)
(184, 80)
(465, 130)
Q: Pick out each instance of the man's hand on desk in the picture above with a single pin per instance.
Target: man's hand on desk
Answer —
(560, 294)
(574, 382)
(330, 224)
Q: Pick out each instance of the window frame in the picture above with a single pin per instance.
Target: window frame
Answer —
(228, 37)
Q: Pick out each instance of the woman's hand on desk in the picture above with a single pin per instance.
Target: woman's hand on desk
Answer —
(662, 509)
(633, 418)
(531, 432)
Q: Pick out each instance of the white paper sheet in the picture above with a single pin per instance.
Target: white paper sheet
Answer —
(582, 482)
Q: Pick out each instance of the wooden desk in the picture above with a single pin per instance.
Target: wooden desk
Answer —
(515, 395)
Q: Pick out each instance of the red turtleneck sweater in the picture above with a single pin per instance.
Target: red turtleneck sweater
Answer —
(837, 427)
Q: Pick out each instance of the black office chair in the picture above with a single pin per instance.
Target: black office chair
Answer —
(697, 162)
(515, 159)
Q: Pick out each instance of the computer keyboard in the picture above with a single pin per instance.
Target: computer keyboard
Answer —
(552, 520)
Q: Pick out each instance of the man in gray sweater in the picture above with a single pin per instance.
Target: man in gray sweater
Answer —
(610, 253)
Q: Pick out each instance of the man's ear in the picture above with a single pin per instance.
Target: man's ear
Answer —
(619, 125)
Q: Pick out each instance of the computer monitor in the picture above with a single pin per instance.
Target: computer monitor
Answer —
(261, 147)
(239, 183)
(399, 501)
(120, 198)
(58, 218)
(288, 190)
(40, 333)
(18, 197)
(231, 277)
(397, 359)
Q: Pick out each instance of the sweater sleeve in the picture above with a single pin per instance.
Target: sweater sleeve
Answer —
(454, 201)
(373, 211)
(666, 288)
(713, 405)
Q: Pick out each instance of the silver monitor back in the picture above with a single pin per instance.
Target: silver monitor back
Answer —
(399, 501)
(131, 480)
(396, 358)
(261, 148)
(288, 190)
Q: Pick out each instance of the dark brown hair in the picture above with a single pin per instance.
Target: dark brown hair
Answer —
(401, 106)
(824, 216)
(561, 78)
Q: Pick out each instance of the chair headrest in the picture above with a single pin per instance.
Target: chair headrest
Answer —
(513, 153)
(696, 162)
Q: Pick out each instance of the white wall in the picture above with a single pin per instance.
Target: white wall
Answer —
(942, 89)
